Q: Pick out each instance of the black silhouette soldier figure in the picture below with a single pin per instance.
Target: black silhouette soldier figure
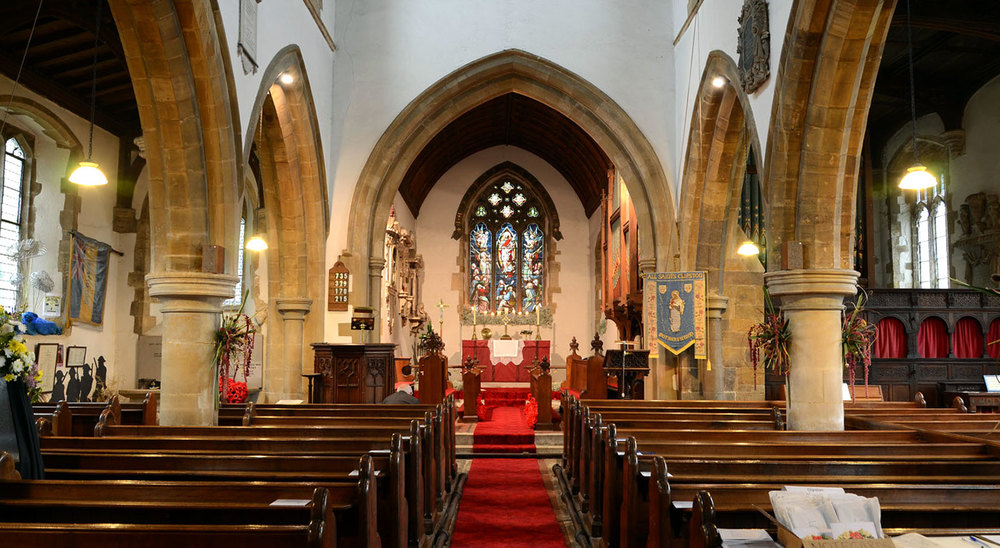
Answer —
(86, 383)
(58, 387)
(101, 376)
(73, 386)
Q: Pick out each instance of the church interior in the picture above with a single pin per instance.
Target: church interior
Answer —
(569, 273)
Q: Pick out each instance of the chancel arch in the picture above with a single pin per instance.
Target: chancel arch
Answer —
(507, 72)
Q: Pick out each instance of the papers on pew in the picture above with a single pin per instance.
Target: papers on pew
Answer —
(827, 513)
(746, 538)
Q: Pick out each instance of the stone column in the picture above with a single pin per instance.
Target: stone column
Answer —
(190, 303)
(813, 300)
(375, 266)
(293, 314)
(713, 384)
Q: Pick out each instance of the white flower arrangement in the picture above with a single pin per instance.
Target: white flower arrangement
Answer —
(17, 363)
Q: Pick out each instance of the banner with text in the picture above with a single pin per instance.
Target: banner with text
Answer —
(674, 310)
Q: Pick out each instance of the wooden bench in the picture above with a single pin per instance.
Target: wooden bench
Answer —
(426, 469)
(79, 418)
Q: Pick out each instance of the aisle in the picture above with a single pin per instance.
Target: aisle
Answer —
(504, 502)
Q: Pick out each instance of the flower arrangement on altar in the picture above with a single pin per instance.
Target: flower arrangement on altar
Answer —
(17, 363)
(233, 350)
(430, 342)
(858, 337)
(768, 341)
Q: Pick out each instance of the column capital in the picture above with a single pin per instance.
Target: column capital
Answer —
(376, 263)
(647, 265)
(191, 291)
(812, 289)
(294, 308)
(717, 305)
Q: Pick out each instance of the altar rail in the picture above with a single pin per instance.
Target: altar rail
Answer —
(901, 378)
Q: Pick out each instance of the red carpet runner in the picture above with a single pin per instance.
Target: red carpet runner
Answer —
(506, 432)
(504, 502)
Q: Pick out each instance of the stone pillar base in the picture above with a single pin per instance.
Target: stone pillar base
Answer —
(190, 304)
(293, 313)
(812, 301)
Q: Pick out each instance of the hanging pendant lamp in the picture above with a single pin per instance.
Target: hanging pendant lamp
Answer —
(917, 177)
(88, 173)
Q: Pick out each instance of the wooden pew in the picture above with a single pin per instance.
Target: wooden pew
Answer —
(424, 469)
(929, 510)
(838, 469)
(327, 469)
(79, 418)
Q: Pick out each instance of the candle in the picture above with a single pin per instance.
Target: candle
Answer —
(474, 315)
(538, 315)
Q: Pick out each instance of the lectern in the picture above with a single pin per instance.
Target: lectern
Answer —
(631, 367)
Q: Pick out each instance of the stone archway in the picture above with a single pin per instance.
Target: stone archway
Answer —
(56, 129)
(293, 185)
(178, 61)
(487, 78)
(722, 133)
(823, 91)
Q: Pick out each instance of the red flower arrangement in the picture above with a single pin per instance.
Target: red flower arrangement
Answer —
(768, 341)
(531, 411)
(233, 349)
(858, 337)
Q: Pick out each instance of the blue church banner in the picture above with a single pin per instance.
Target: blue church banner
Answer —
(674, 306)
(88, 279)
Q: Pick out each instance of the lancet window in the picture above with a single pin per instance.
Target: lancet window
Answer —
(508, 224)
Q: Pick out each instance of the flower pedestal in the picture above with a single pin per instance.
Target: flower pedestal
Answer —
(18, 434)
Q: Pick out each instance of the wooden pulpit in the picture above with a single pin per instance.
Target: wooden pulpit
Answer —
(433, 378)
(353, 373)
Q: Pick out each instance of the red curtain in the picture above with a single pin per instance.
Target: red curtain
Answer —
(967, 340)
(890, 339)
(932, 339)
(994, 335)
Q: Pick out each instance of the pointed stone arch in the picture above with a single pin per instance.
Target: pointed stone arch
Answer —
(823, 91)
(722, 134)
(177, 59)
(487, 78)
(285, 134)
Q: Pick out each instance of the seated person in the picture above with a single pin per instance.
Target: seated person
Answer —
(403, 394)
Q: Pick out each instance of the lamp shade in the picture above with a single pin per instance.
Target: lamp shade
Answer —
(748, 249)
(88, 174)
(917, 178)
(256, 243)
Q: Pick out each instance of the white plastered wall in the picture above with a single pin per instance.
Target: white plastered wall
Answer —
(114, 339)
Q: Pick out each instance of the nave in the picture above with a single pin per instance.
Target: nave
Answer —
(323, 475)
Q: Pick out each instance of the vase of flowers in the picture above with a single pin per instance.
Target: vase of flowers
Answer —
(233, 350)
(768, 341)
(20, 379)
(858, 337)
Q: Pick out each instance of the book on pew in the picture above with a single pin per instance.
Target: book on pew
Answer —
(746, 538)
(291, 502)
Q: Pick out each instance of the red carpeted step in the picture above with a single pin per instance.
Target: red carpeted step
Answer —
(504, 503)
(507, 432)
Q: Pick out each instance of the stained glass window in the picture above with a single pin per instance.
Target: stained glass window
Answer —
(480, 267)
(532, 263)
(506, 293)
(507, 248)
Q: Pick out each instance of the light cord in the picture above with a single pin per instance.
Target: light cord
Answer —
(93, 83)
(24, 57)
(913, 87)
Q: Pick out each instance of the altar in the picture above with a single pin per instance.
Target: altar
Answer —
(505, 360)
